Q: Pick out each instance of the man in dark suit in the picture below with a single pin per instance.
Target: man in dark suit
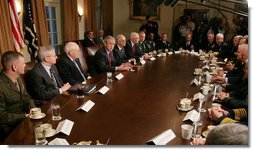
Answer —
(105, 60)
(210, 45)
(44, 80)
(221, 46)
(99, 40)
(133, 49)
(163, 43)
(69, 66)
(89, 39)
(151, 46)
(119, 50)
(15, 102)
(187, 43)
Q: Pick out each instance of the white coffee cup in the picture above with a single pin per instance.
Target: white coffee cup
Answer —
(35, 111)
(47, 127)
(198, 71)
(205, 89)
(208, 78)
(185, 103)
(186, 131)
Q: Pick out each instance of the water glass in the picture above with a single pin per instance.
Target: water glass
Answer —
(80, 92)
(197, 129)
(201, 101)
(40, 138)
(56, 113)
(109, 76)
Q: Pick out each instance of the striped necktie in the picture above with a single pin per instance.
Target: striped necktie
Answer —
(77, 66)
(52, 75)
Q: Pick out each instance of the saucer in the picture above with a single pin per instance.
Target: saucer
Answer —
(184, 109)
(51, 133)
(42, 115)
(205, 133)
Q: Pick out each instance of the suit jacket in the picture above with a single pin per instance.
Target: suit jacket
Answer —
(68, 70)
(40, 85)
(102, 62)
(189, 47)
(223, 50)
(88, 43)
(161, 45)
(99, 41)
(14, 103)
(120, 56)
(133, 54)
(151, 46)
(210, 46)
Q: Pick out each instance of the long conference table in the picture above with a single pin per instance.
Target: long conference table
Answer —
(136, 108)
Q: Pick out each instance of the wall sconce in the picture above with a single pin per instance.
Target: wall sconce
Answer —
(18, 7)
(80, 13)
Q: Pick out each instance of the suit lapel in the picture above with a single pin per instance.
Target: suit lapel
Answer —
(46, 75)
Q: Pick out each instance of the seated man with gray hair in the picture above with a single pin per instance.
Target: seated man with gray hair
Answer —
(69, 65)
(221, 47)
(44, 80)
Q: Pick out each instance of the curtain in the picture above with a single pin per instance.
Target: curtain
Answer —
(71, 24)
(6, 38)
(90, 15)
(40, 22)
(107, 12)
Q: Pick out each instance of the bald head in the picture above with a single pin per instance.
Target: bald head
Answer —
(72, 50)
(242, 52)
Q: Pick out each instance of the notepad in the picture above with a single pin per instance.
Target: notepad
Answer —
(192, 115)
(103, 90)
(58, 141)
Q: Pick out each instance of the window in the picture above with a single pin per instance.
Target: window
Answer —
(53, 23)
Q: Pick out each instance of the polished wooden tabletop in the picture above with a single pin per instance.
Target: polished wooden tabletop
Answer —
(135, 109)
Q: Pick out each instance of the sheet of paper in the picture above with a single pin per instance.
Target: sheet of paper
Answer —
(152, 58)
(143, 62)
(86, 106)
(170, 53)
(198, 96)
(192, 115)
(65, 127)
(58, 141)
(177, 52)
(119, 76)
(163, 138)
(103, 90)
(159, 55)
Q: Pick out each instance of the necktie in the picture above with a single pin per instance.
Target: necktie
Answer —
(133, 48)
(77, 66)
(53, 78)
(110, 59)
(17, 85)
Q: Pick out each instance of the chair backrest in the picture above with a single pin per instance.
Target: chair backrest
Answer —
(92, 50)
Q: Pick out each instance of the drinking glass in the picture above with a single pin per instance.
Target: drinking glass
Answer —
(80, 92)
(197, 129)
(109, 76)
(40, 138)
(56, 113)
(201, 109)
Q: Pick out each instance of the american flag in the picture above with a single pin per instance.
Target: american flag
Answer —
(30, 32)
(16, 28)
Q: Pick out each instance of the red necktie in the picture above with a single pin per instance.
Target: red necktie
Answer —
(133, 48)
(110, 59)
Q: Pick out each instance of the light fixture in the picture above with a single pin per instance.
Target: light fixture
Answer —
(18, 7)
(80, 13)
